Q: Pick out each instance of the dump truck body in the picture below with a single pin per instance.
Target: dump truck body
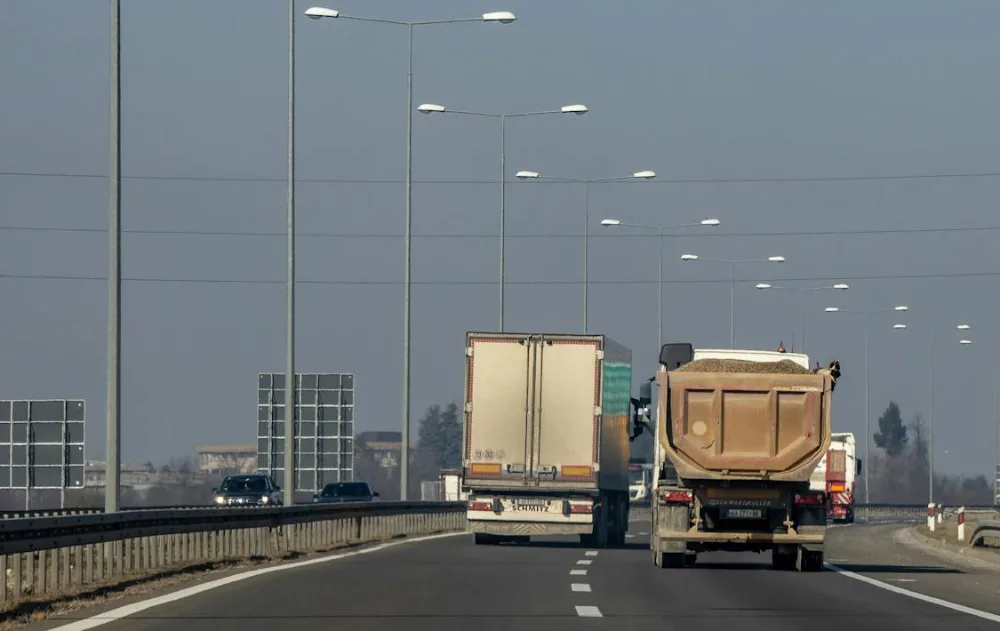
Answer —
(546, 445)
(743, 443)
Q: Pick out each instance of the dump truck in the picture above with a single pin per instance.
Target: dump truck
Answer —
(738, 433)
(836, 474)
(546, 436)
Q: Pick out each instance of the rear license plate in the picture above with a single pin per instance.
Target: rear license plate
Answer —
(744, 513)
(529, 504)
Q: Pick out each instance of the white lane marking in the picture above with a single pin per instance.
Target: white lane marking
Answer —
(629, 536)
(123, 612)
(584, 562)
(588, 611)
(578, 572)
(643, 533)
(985, 615)
(902, 580)
(580, 587)
(590, 553)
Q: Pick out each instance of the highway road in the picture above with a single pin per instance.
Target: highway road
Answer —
(450, 584)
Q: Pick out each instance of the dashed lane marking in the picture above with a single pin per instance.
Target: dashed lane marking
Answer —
(630, 536)
(578, 572)
(584, 562)
(591, 553)
(580, 587)
(985, 615)
(588, 611)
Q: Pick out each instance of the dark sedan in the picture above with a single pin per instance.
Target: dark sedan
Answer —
(346, 492)
(249, 490)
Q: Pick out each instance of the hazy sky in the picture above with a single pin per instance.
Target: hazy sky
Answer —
(790, 121)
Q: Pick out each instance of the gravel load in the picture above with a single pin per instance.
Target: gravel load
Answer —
(785, 366)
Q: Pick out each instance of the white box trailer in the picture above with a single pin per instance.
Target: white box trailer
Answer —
(546, 436)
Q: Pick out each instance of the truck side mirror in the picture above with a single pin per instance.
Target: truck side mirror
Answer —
(676, 354)
(645, 393)
(858, 472)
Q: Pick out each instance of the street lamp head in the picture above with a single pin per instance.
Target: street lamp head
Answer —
(524, 175)
(610, 222)
(574, 109)
(832, 309)
(901, 308)
(899, 327)
(689, 257)
(963, 327)
(762, 286)
(503, 17)
(320, 12)
(644, 175)
(966, 342)
(430, 108)
(710, 222)
(776, 259)
(842, 286)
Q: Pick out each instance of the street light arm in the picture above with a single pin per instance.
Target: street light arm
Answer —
(503, 17)
(652, 227)
(641, 176)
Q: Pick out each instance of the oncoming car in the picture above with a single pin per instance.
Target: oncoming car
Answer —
(346, 492)
(249, 490)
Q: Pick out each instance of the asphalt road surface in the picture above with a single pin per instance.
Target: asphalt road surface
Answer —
(450, 584)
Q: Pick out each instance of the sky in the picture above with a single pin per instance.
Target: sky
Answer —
(800, 125)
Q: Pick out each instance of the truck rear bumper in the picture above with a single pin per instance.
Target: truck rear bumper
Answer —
(807, 539)
(515, 528)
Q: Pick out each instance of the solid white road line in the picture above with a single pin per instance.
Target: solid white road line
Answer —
(580, 587)
(985, 615)
(584, 562)
(588, 611)
(578, 572)
(128, 610)
(590, 553)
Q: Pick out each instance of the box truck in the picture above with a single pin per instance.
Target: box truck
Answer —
(546, 436)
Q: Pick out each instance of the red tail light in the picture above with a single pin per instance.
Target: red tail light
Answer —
(676, 497)
(580, 509)
(484, 506)
(810, 499)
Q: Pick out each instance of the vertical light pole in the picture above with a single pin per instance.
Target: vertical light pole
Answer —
(802, 304)
(430, 108)
(638, 175)
(996, 426)
(496, 17)
(609, 223)
(288, 484)
(732, 289)
(930, 403)
(864, 324)
(112, 468)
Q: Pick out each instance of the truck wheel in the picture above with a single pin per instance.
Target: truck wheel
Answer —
(690, 559)
(783, 561)
(670, 559)
(809, 561)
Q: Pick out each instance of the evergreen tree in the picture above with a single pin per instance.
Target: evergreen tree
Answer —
(891, 435)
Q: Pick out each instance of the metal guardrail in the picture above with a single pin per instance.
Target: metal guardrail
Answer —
(55, 555)
(59, 512)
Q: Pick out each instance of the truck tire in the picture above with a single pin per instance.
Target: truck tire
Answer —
(809, 561)
(670, 559)
(690, 559)
(783, 560)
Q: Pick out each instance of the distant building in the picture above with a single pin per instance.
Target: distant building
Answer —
(227, 459)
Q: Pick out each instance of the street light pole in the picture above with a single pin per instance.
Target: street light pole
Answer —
(864, 324)
(638, 175)
(112, 468)
(732, 290)
(802, 304)
(288, 484)
(659, 276)
(930, 404)
(431, 108)
(499, 17)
